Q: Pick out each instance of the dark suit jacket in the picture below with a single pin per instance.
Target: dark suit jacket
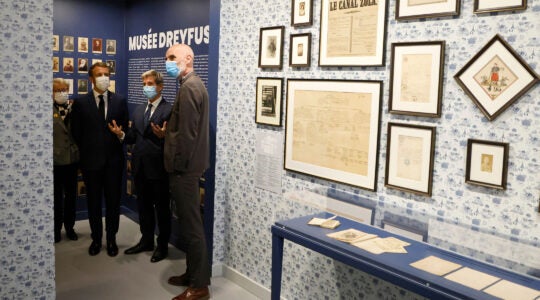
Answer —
(97, 145)
(186, 139)
(148, 149)
(65, 150)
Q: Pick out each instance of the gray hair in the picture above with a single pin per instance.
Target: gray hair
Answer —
(157, 76)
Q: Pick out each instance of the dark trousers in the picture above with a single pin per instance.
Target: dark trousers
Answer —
(186, 198)
(153, 194)
(65, 196)
(106, 182)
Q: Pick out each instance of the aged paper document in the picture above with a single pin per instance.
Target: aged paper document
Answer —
(383, 245)
(508, 290)
(435, 265)
(332, 130)
(351, 235)
(471, 278)
(416, 77)
(424, 2)
(409, 157)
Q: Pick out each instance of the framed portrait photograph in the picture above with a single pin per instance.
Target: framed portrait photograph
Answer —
(269, 97)
(112, 65)
(67, 66)
(82, 44)
(82, 86)
(487, 6)
(97, 45)
(416, 78)
(110, 47)
(416, 9)
(487, 163)
(82, 65)
(302, 13)
(68, 43)
(332, 130)
(271, 47)
(352, 35)
(409, 158)
(496, 77)
(56, 42)
(55, 64)
(300, 50)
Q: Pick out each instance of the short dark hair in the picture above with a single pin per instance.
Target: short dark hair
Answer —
(98, 64)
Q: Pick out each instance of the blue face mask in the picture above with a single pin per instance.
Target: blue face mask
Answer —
(149, 91)
(172, 68)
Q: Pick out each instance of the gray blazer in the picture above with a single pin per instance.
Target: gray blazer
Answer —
(65, 151)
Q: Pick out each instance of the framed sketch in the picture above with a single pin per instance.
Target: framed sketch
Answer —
(300, 50)
(56, 42)
(409, 158)
(416, 79)
(416, 9)
(302, 13)
(487, 6)
(268, 108)
(496, 77)
(332, 130)
(352, 35)
(271, 47)
(487, 163)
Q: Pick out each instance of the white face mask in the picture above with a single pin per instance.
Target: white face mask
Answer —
(61, 97)
(102, 83)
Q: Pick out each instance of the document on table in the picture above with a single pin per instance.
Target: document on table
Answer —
(329, 223)
(472, 278)
(508, 290)
(435, 265)
(351, 235)
(383, 245)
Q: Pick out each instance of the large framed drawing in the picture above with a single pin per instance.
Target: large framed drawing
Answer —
(487, 6)
(302, 13)
(409, 158)
(271, 47)
(352, 33)
(496, 77)
(416, 78)
(332, 130)
(300, 50)
(415, 9)
(268, 108)
(487, 163)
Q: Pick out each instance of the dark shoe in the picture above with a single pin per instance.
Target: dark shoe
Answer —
(159, 254)
(94, 249)
(71, 235)
(181, 280)
(139, 248)
(194, 294)
(112, 248)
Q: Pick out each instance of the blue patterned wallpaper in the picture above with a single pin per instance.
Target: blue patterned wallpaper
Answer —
(26, 202)
(244, 213)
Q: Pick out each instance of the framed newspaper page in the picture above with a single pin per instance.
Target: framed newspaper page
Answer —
(352, 33)
(332, 130)
(416, 9)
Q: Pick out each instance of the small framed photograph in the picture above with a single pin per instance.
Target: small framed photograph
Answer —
(268, 107)
(416, 79)
(68, 43)
(409, 158)
(55, 64)
(56, 42)
(83, 44)
(68, 65)
(271, 47)
(487, 6)
(82, 65)
(302, 13)
(487, 163)
(97, 45)
(496, 77)
(70, 84)
(82, 86)
(416, 9)
(300, 50)
(111, 47)
(96, 60)
(112, 65)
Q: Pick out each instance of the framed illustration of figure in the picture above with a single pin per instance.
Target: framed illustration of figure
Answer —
(415, 9)
(496, 77)
(271, 47)
(487, 6)
(302, 13)
(300, 50)
(487, 163)
(269, 98)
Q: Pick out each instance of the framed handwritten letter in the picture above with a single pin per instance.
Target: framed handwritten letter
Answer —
(496, 77)
(352, 33)
(268, 108)
(487, 163)
(332, 130)
(487, 6)
(409, 158)
(416, 78)
(271, 47)
(415, 9)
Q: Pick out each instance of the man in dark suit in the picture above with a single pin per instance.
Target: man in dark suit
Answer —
(151, 180)
(186, 157)
(98, 119)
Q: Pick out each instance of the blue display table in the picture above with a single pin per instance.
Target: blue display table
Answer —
(394, 268)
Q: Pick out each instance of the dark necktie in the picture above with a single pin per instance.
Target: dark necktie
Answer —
(101, 107)
(147, 114)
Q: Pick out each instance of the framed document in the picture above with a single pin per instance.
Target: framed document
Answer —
(268, 107)
(416, 78)
(271, 47)
(487, 6)
(302, 13)
(300, 50)
(415, 9)
(409, 158)
(496, 77)
(352, 33)
(332, 130)
(487, 163)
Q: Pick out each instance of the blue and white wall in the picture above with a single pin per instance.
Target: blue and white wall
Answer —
(244, 213)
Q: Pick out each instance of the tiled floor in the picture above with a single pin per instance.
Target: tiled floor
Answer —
(80, 276)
